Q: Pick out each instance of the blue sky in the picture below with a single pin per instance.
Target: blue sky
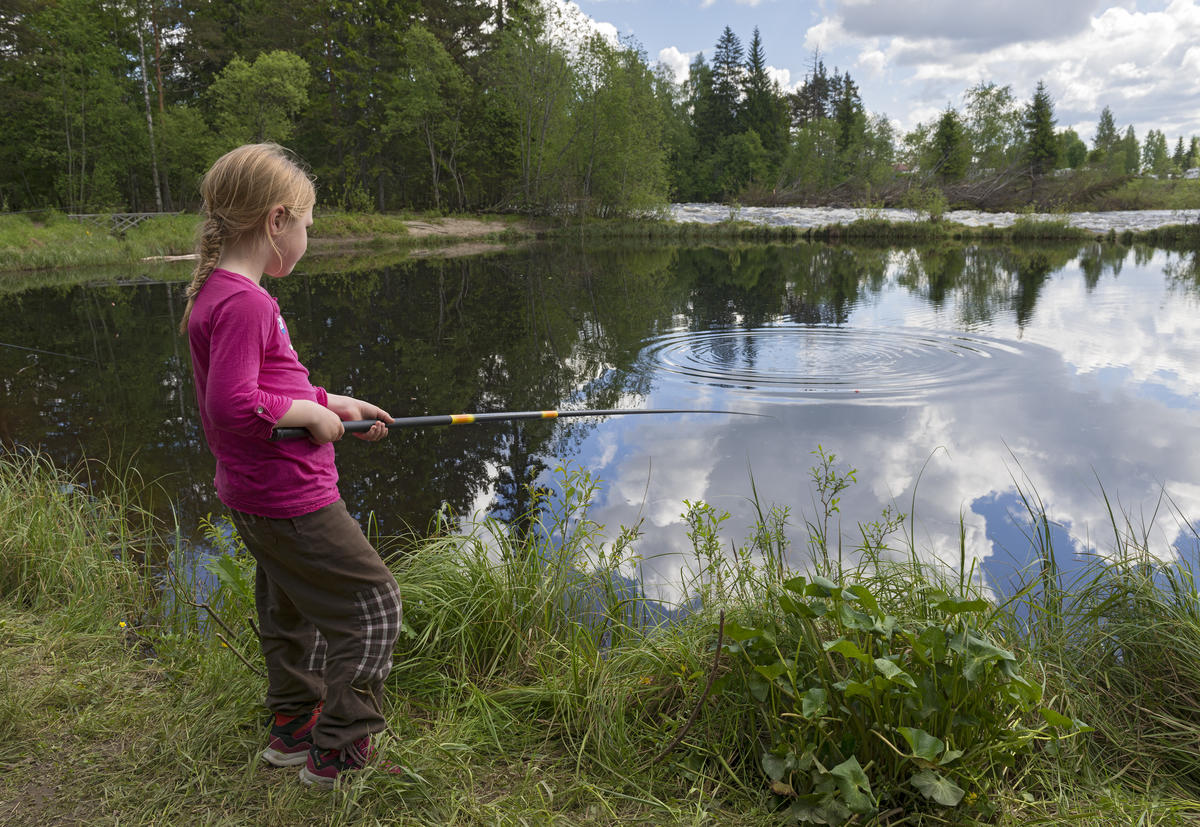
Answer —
(912, 58)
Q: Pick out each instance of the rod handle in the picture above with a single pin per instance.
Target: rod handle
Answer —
(352, 426)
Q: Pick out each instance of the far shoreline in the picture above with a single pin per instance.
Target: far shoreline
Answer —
(57, 243)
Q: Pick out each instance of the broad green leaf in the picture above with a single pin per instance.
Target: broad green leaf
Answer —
(983, 648)
(938, 788)
(772, 671)
(796, 607)
(834, 811)
(798, 585)
(737, 632)
(922, 744)
(894, 673)
(855, 689)
(847, 649)
(807, 809)
(759, 688)
(1056, 719)
(933, 642)
(858, 802)
(814, 703)
(824, 587)
(1022, 696)
(850, 773)
(949, 756)
(775, 766)
(864, 597)
(852, 618)
(886, 626)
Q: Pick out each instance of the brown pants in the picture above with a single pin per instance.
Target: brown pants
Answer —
(329, 613)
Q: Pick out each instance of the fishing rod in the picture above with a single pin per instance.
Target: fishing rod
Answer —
(362, 425)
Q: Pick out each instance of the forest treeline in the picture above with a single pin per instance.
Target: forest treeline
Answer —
(482, 104)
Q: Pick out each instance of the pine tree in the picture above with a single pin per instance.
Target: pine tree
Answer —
(1106, 132)
(811, 102)
(727, 74)
(951, 151)
(1041, 145)
(848, 113)
(763, 109)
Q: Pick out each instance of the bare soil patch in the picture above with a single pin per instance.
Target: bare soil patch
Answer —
(456, 227)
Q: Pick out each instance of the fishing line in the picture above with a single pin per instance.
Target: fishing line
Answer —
(50, 353)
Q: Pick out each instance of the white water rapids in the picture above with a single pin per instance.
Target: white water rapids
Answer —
(1099, 222)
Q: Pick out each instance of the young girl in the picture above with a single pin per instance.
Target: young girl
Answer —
(328, 608)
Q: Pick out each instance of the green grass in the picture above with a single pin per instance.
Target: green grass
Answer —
(523, 693)
(56, 241)
(52, 241)
(336, 224)
(62, 546)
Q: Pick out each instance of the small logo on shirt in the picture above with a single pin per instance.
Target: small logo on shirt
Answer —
(283, 330)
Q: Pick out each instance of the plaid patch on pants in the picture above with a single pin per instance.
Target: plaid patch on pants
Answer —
(329, 612)
(380, 614)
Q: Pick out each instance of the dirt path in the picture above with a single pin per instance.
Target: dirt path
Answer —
(457, 227)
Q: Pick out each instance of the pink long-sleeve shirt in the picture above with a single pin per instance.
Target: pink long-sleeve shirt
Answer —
(247, 374)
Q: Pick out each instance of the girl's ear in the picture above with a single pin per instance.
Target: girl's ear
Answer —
(277, 219)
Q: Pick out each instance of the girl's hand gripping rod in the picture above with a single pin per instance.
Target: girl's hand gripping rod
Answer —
(363, 425)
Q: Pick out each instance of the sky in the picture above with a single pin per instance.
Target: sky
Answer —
(913, 58)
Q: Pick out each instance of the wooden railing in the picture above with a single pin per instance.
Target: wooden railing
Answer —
(118, 222)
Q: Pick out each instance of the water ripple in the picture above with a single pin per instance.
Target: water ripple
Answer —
(775, 364)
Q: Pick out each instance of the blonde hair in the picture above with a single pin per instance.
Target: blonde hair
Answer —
(239, 191)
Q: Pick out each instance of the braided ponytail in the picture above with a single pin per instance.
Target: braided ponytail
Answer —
(239, 192)
(210, 254)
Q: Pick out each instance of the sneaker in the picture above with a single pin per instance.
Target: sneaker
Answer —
(291, 739)
(325, 766)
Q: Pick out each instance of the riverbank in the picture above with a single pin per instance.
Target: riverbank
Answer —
(54, 241)
(528, 688)
(166, 244)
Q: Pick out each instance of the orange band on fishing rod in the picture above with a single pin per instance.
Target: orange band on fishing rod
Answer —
(549, 414)
(462, 419)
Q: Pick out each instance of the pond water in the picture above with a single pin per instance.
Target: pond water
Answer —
(946, 376)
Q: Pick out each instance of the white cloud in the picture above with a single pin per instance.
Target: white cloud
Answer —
(826, 35)
(930, 59)
(676, 61)
(873, 61)
(986, 22)
(784, 78)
